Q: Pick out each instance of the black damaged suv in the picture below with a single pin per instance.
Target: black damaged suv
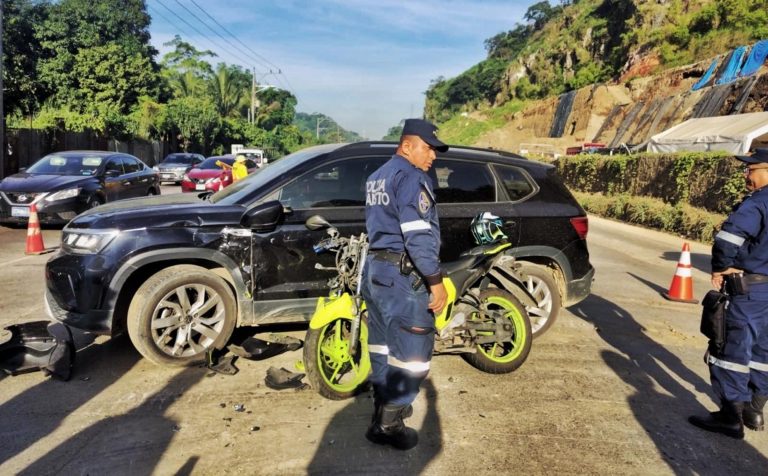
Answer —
(179, 272)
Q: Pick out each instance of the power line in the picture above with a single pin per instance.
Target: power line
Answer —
(220, 36)
(279, 75)
(237, 58)
(269, 63)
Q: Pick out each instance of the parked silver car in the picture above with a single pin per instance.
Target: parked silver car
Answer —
(173, 167)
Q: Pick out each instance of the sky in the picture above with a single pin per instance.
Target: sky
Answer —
(364, 63)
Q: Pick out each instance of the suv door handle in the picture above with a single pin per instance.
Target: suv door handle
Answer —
(511, 223)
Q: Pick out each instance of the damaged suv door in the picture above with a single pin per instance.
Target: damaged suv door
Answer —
(286, 283)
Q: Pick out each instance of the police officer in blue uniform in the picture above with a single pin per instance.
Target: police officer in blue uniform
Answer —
(402, 281)
(739, 370)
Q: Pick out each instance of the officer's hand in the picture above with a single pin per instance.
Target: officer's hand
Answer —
(438, 298)
(717, 280)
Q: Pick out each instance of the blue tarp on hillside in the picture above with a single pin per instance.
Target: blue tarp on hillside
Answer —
(756, 58)
(707, 76)
(732, 70)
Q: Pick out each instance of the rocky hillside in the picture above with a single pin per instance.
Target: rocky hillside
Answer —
(610, 71)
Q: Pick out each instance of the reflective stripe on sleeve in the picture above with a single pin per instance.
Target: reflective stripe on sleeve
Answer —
(378, 349)
(415, 225)
(724, 364)
(415, 367)
(758, 366)
(729, 237)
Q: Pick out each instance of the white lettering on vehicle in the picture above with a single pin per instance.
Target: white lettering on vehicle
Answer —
(375, 192)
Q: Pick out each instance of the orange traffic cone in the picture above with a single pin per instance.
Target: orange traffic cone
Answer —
(34, 237)
(681, 289)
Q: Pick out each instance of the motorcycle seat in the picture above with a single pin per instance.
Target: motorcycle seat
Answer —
(464, 262)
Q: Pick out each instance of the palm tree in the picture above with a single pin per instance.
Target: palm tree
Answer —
(228, 90)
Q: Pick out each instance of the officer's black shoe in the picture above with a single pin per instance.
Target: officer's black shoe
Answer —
(388, 428)
(727, 421)
(753, 413)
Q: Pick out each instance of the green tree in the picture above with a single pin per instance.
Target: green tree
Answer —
(21, 51)
(394, 132)
(229, 87)
(185, 68)
(196, 121)
(278, 108)
(73, 26)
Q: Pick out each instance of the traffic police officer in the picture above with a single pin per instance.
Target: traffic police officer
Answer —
(739, 371)
(402, 271)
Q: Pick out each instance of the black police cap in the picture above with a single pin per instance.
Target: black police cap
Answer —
(426, 131)
(760, 156)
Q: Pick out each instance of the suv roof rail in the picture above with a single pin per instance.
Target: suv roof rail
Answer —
(381, 143)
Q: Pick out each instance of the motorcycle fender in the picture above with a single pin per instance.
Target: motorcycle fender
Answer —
(329, 309)
(511, 282)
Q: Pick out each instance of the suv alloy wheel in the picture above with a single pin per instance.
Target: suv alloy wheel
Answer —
(180, 313)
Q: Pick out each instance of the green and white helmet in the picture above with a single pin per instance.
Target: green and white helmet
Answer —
(486, 228)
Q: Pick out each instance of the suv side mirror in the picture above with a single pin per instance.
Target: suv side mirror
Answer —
(263, 218)
(316, 222)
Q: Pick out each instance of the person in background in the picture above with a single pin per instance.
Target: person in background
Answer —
(402, 282)
(239, 168)
(739, 370)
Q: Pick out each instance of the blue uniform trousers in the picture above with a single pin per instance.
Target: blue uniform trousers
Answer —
(400, 332)
(741, 369)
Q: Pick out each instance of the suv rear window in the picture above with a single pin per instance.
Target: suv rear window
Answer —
(457, 181)
(517, 184)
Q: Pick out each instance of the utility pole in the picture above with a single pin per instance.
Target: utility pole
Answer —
(318, 120)
(253, 97)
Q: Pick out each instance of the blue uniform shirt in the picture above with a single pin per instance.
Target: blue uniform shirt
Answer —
(742, 241)
(401, 215)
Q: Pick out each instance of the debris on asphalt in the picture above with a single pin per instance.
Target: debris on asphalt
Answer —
(37, 345)
(239, 407)
(282, 378)
(264, 348)
(221, 364)
(255, 428)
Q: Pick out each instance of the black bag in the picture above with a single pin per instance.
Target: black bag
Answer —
(713, 319)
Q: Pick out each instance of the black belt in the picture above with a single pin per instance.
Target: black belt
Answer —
(756, 278)
(386, 255)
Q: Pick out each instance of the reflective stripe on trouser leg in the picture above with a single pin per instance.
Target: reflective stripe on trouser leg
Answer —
(729, 371)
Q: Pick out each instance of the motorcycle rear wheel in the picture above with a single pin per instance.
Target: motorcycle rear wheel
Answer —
(502, 358)
(330, 368)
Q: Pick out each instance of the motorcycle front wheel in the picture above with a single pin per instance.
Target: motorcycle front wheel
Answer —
(508, 356)
(331, 369)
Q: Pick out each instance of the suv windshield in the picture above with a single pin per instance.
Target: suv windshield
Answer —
(280, 167)
(66, 165)
(178, 159)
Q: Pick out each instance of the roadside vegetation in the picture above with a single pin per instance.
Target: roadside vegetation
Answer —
(688, 194)
(80, 65)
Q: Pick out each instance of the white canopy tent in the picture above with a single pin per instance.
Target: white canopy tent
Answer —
(737, 134)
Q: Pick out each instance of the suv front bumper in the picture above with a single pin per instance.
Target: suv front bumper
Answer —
(95, 321)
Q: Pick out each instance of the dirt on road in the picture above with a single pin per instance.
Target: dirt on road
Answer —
(606, 391)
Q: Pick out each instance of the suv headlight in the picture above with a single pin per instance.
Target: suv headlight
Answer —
(62, 194)
(87, 241)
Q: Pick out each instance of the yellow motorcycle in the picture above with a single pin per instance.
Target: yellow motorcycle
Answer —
(484, 320)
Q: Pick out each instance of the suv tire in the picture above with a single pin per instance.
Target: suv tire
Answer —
(164, 322)
(540, 282)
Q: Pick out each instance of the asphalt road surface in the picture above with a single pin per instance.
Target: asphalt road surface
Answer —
(606, 391)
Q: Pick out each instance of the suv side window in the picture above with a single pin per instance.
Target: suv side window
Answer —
(456, 181)
(338, 184)
(131, 165)
(517, 183)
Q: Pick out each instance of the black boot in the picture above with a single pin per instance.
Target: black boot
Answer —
(753, 413)
(388, 428)
(727, 421)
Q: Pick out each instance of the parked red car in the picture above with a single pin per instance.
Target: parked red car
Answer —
(210, 177)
